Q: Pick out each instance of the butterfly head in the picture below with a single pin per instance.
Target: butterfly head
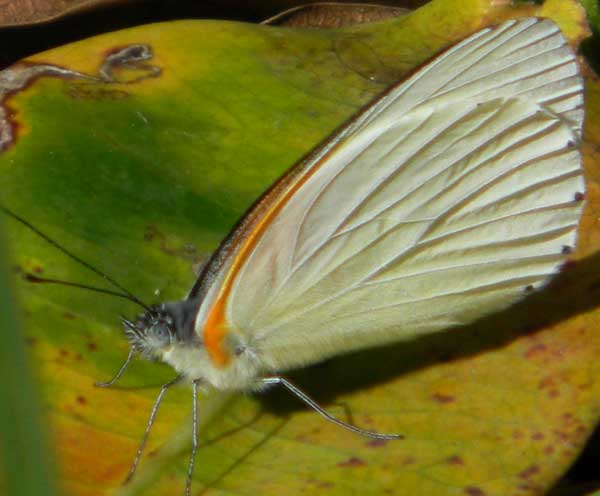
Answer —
(158, 329)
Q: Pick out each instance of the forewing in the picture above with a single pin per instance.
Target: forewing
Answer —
(529, 59)
(447, 200)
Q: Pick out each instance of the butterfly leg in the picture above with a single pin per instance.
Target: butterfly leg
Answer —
(302, 396)
(119, 373)
(149, 425)
(188, 482)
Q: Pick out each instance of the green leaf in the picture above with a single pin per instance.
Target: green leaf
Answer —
(25, 467)
(141, 165)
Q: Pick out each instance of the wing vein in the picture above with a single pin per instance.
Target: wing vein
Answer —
(516, 282)
(405, 254)
(545, 235)
(491, 48)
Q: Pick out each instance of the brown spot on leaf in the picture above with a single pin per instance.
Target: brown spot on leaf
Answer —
(546, 382)
(455, 460)
(579, 196)
(31, 341)
(63, 353)
(530, 488)
(81, 400)
(69, 315)
(352, 462)
(186, 252)
(474, 491)
(93, 92)
(92, 346)
(38, 269)
(567, 417)
(537, 436)
(377, 443)
(529, 472)
(367, 419)
(534, 350)
(563, 436)
(580, 432)
(443, 398)
(568, 453)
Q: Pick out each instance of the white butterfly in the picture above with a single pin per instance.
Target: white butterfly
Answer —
(448, 198)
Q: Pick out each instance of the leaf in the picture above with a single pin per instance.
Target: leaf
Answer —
(26, 12)
(138, 151)
(333, 15)
(23, 471)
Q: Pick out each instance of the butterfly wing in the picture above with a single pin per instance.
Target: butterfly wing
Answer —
(444, 201)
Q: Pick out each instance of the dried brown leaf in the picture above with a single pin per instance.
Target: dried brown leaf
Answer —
(27, 12)
(334, 15)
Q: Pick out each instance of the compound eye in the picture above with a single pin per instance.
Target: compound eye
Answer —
(162, 331)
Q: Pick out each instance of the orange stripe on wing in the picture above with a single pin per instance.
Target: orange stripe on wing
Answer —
(215, 330)
(216, 326)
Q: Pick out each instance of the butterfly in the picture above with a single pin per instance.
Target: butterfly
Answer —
(454, 194)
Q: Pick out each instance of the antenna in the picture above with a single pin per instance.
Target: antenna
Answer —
(37, 279)
(126, 294)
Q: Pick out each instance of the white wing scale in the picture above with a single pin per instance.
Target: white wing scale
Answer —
(440, 204)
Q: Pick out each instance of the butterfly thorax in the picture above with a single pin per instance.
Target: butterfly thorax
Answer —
(166, 332)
